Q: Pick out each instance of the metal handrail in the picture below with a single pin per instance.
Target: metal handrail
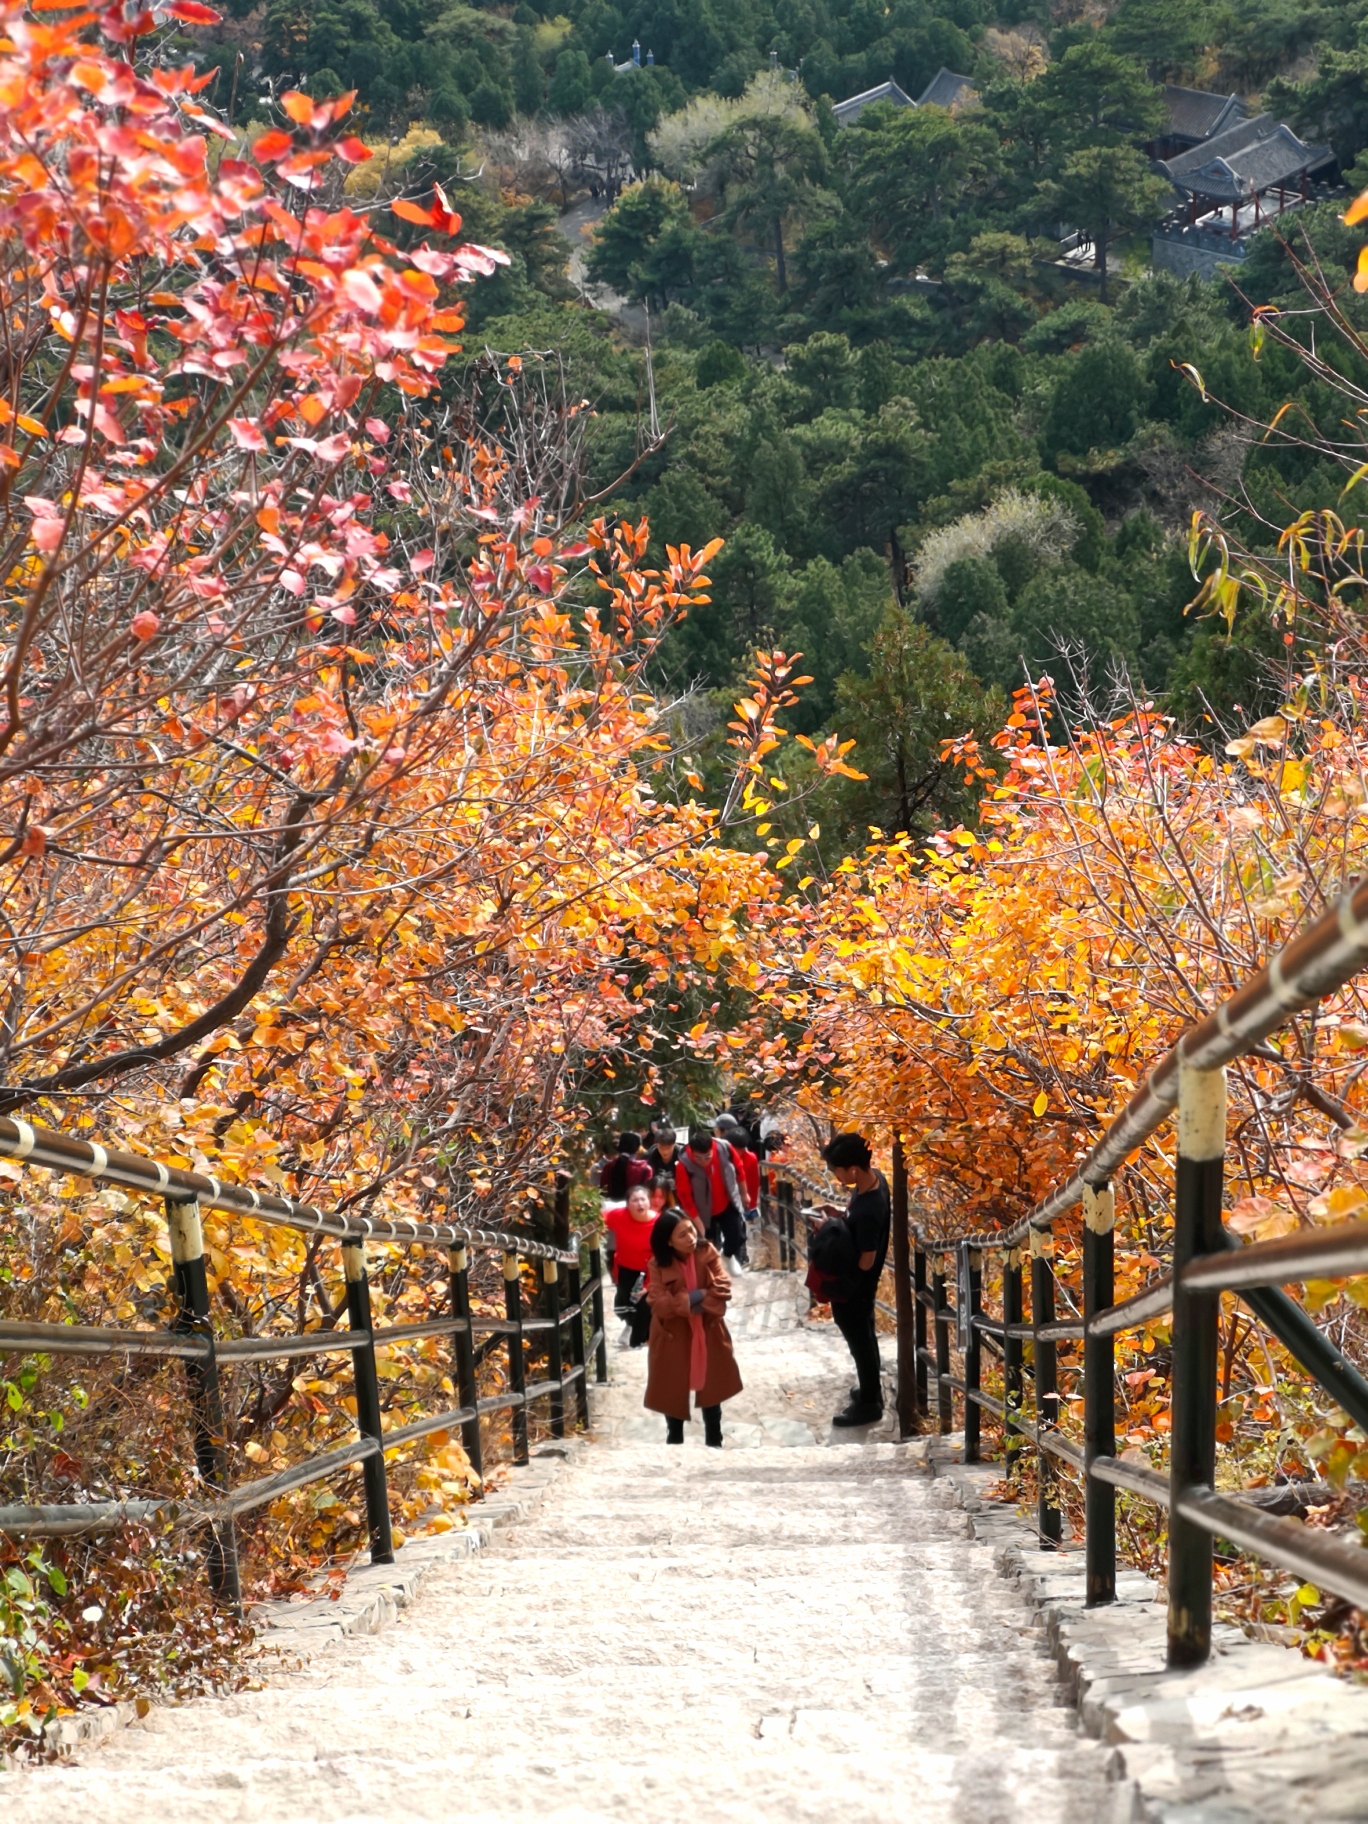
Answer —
(1208, 1261)
(192, 1340)
(88, 1159)
(1322, 958)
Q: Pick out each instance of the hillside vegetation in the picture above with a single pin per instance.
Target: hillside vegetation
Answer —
(862, 342)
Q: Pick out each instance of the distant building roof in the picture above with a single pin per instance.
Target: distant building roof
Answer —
(1196, 114)
(947, 90)
(1244, 161)
(852, 108)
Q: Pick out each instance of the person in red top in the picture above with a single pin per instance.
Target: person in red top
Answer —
(709, 1189)
(630, 1225)
(747, 1165)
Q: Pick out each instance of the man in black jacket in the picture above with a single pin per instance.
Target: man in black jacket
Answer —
(850, 1163)
(664, 1153)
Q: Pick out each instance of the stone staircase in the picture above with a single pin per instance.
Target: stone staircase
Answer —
(796, 1627)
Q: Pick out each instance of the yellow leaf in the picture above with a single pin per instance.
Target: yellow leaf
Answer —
(1041, 1103)
(1270, 731)
(1336, 1206)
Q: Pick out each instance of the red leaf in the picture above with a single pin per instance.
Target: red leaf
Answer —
(271, 146)
(192, 13)
(353, 150)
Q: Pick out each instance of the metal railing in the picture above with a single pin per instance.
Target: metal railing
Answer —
(1207, 1261)
(191, 1339)
(790, 1222)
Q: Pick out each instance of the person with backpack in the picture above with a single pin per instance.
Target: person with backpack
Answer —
(747, 1171)
(710, 1191)
(618, 1175)
(849, 1252)
(691, 1347)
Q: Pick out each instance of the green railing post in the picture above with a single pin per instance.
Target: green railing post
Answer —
(366, 1384)
(1192, 1441)
(517, 1367)
(903, 1299)
(577, 1348)
(555, 1355)
(1099, 1394)
(972, 1359)
(1044, 1371)
(1012, 1391)
(596, 1301)
(945, 1396)
(919, 1330)
(467, 1389)
(191, 1284)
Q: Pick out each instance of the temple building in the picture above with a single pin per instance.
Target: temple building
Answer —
(946, 89)
(1232, 184)
(1194, 116)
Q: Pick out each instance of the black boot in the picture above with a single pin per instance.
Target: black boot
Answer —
(712, 1426)
(674, 1430)
(860, 1412)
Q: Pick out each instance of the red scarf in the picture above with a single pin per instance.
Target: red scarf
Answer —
(698, 1348)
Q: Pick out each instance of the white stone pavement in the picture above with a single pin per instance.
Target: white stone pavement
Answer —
(796, 1627)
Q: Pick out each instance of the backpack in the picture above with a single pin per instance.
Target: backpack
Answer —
(832, 1261)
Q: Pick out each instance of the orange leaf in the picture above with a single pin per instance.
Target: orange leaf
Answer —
(271, 146)
(412, 212)
(300, 108)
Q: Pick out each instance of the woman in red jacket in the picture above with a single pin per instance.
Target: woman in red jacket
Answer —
(691, 1347)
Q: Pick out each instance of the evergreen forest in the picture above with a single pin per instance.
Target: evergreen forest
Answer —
(942, 456)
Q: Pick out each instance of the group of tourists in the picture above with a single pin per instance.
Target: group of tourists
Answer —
(683, 1213)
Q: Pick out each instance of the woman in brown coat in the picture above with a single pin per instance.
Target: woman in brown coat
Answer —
(691, 1347)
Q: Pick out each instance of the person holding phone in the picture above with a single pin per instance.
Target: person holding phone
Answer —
(868, 1216)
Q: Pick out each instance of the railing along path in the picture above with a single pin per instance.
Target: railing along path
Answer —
(1207, 1261)
(192, 1339)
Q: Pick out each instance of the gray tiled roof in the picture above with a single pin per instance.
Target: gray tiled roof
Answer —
(854, 105)
(945, 90)
(1198, 114)
(1246, 159)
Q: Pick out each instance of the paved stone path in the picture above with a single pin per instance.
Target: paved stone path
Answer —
(791, 1628)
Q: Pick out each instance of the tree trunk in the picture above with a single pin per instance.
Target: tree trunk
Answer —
(779, 254)
(1102, 259)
